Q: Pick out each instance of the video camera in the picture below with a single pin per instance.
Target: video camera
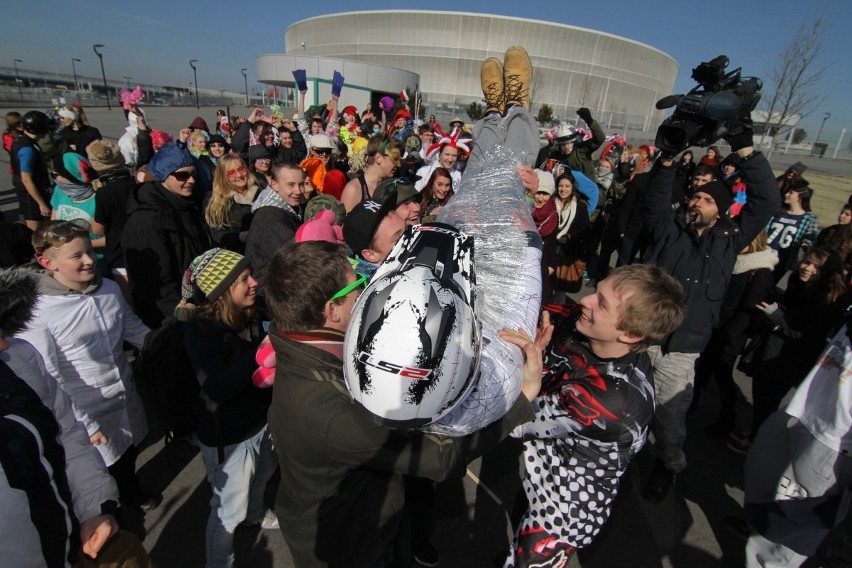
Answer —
(717, 107)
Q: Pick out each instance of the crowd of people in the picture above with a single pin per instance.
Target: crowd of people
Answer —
(230, 261)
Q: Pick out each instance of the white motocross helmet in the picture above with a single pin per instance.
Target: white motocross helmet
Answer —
(565, 134)
(412, 347)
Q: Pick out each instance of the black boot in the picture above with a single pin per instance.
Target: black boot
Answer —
(662, 479)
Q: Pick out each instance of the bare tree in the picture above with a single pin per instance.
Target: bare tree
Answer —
(796, 77)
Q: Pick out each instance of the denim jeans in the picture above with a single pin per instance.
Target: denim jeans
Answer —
(238, 484)
(674, 374)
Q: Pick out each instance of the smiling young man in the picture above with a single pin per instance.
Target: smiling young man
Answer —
(277, 215)
(593, 411)
(93, 371)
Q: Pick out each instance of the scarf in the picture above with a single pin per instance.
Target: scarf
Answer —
(76, 191)
(268, 198)
(566, 217)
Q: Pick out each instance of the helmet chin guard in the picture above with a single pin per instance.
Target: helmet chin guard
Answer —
(413, 343)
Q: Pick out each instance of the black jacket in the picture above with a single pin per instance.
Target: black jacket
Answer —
(163, 234)
(703, 264)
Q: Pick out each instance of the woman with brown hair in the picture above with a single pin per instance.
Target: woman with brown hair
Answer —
(437, 193)
(221, 338)
(228, 212)
(794, 330)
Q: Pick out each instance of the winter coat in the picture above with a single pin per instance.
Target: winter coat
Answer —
(81, 337)
(40, 502)
(272, 226)
(580, 157)
(341, 496)
(232, 408)
(703, 264)
(163, 234)
(751, 283)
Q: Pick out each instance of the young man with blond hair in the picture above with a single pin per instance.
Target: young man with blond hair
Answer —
(593, 412)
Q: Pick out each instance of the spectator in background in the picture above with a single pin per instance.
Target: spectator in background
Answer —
(228, 213)
(76, 133)
(437, 193)
(792, 177)
(14, 128)
(164, 232)
(793, 228)
(115, 184)
(29, 170)
(277, 214)
(711, 158)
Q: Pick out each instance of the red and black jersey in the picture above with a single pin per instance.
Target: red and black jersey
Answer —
(592, 417)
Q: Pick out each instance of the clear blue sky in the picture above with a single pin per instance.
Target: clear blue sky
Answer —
(152, 41)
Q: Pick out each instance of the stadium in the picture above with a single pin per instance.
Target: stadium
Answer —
(440, 52)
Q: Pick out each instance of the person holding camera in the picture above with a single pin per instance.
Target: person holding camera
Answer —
(697, 244)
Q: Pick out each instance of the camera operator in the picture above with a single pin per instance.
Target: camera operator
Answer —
(697, 244)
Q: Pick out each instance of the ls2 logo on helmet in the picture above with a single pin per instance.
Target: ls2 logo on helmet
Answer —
(414, 373)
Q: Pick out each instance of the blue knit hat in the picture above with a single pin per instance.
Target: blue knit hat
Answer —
(169, 159)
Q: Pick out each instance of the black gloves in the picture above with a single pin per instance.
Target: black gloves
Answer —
(585, 115)
(740, 135)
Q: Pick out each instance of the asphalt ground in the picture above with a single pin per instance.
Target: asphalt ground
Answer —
(474, 513)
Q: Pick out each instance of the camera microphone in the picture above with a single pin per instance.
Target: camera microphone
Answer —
(667, 102)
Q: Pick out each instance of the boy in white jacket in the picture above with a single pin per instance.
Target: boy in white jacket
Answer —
(79, 326)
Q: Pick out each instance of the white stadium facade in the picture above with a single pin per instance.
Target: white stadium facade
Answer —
(385, 51)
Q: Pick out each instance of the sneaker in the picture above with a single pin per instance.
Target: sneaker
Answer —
(517, 77)
(491, 78)
(662, 479)
(270, 521)
(739, 446)
(426, 555)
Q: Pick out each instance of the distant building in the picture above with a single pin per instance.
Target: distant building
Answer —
(617, 78)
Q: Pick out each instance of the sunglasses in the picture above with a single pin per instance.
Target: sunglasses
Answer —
(323, 151)
(184, 176)
(62, 232)
(237, 171)
(359, 282)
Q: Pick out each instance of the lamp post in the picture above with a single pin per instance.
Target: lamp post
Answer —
(826, 117)
(192, 63)
(103, 73)
(245, 80)
(74, 69)
(17, 80)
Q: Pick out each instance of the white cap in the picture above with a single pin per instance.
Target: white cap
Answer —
(321, 141)
(546, 184)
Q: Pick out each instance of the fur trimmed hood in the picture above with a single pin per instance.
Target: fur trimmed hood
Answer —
(762, 259)
(18, 297)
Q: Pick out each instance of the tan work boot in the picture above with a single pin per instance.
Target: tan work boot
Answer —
(517, 77)
(491, 78)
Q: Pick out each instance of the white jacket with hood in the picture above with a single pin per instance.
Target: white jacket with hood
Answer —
(80, 336)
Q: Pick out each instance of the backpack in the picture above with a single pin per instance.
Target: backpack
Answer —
(164, 366)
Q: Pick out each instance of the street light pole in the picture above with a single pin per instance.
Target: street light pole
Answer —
(103, 73)
(245, 80)
(18, 80)
(826, 117)
(74, 68)
(192, 63)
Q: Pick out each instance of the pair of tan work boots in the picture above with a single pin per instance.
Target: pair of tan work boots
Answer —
(506, 84)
